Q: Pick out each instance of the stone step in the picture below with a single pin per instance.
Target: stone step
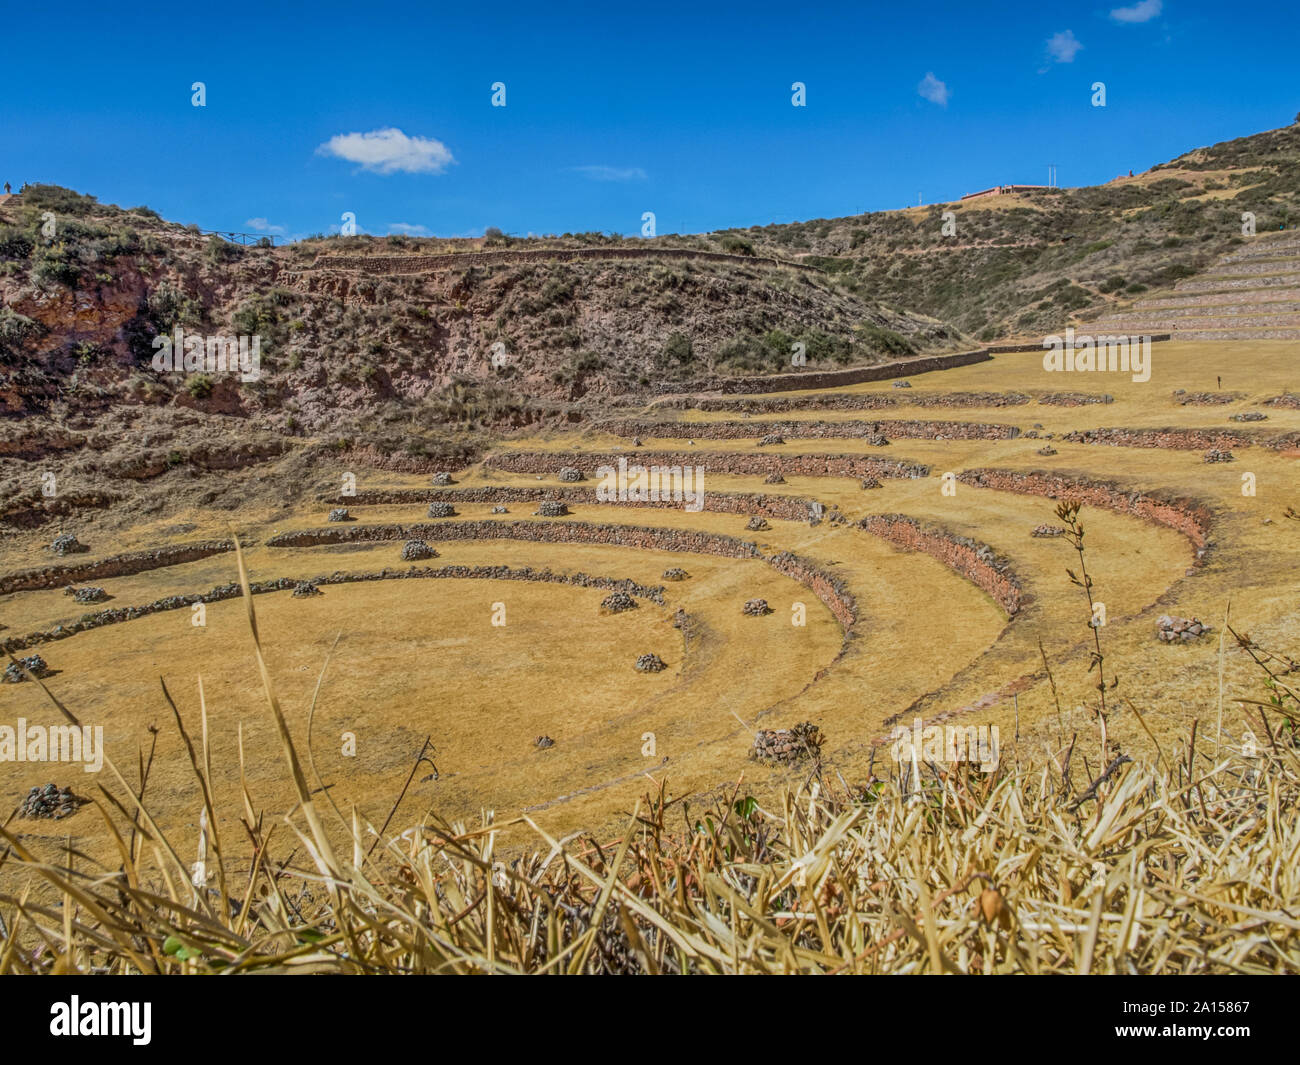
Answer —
(1193, 310)
(1274, 265)
(1166, 323)
(1266, 298)
(1264, 248)
(1239, 334)
(1210, 283)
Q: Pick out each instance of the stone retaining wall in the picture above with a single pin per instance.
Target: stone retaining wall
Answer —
(1169, 439)
(1186, 516)
(737, 463)
(418, 264)
(232, 591)
(783, 508)
(845, 401)
(830, 590)
(975, 561)
(793, 382)
(1007, 349)
(815, 430)
(113, 566)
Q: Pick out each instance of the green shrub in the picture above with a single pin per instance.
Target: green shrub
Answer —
(14, 243)
(199, 386)
(221, 251)
(58, 199)
(678, 349)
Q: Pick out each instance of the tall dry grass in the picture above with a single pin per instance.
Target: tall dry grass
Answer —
(1188, 864)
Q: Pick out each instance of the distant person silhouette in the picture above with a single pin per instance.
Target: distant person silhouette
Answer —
(1220, 380)
(7, 188)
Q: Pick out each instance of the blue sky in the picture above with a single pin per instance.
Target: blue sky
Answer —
(684, 109)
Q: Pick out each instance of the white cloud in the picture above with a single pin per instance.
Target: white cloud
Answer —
(408, 230)
(1063, 46)
(387, 151)
(1142, 11)
(261, 225)
(932, 89)
(610, 173)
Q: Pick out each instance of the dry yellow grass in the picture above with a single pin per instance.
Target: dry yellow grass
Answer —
(419, 658)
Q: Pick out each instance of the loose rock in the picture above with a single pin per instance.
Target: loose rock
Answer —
(34, 664)
(788, 746)
(67, 544)
(756, 608)
(50, 803)
(441, 509)
(1179, 630)
(416, 550)
(650, 663)
(617, 602)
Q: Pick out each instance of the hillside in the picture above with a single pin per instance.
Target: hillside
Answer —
(383, 326)
(1025, 264)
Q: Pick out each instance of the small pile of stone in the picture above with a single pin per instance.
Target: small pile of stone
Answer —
(636, 441)
(441, 479)
(771, 440)
(1048, 450)
(88, 594)
(902, 384)
(569, 475)
(50, 803)
(757, 524)
(617, 602)
(878, 440)
(305, 590)
(1248, 416)
(340, 514)
(34, 664)
(552, 508)
(756, 608)
(67, 544)
(870, 482)
(675, 573)
(417, 550)
(499, 510)
(788, 746)
(1172, 630)
(1047, 530)
(681, 619)
(650, 663)
(542, 742)
(441, 509)
(1216, 454)
(774, 478)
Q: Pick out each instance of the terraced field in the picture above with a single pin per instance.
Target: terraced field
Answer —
(922, 596)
